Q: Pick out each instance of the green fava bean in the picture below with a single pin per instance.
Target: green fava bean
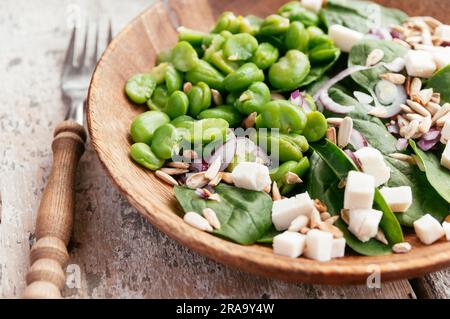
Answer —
(314, 31)
(265, 56)
(227, 22)
(274, 25)
(159, 73)
(319, 56)
(215, 45)
(207, 130)
(254, 99)
(164, 56)
(142, 154)
(199, 98)
(140, 88)
(174, 79)
(226, 112)
(144, 126)
(316, 127)
(251, 24)
(294, 11)
(283, 115)
(184, 56)
(297, 37)
(240, 47)
(166, 141)
(278, 173)
(278, 146)
(300, 169)
(259, 123)
(177, 105)
(159, 99)
(219, 61)
(289, 72)
(243, 78)
(204, 72)
(195, 38)
(322, 41)
(232, 98)
(180, 120)
(299, 140)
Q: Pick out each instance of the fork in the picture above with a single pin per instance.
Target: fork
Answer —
(49, 255)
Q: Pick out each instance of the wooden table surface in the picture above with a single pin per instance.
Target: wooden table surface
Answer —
(118, 253)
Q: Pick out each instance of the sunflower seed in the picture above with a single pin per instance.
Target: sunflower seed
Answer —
(320, 206)
(345, 130)
(166, 178)
(442, 120)
(174, 171)
(406, 108)
(402, 122)
(381, 237)
(216, 180)
(216, 97)
(374, 57)
(425, 96)
(190, 154)
(436, 98)
(332, 220)
(180, 165)
(447, 219)
(415, 87)
(329, 228)
(432, 22)
(331, 135)
(402, 248)
(215, 197)
(250, 120)
(334, 121)
(211, 216)
(441, 113)
(197, 180)
(213, 168)
(187, 87)
(418, 108)
(378, 111)
(275, 192)
(414, 117)
(345, 216)
(433, 107)
(314, 219)
(425, 125)
(395, 78)
(305, 230)
(403, 158)
(362, 97)
(292, 178)
(227, 177)
(324, 216)
(299, 223)
(197, 221)
(402, 43)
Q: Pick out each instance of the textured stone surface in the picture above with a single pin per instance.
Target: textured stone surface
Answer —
(118, 253)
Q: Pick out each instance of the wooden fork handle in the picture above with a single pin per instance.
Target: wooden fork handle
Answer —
(49, 255)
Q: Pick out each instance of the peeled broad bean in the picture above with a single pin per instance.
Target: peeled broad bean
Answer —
(164, 56)
(181, 119)
(224, 65)
(265, 56)
(140, 87)
(159, 73)
(142, 154)
(144, 126)
(226, 112)
(297, 37)
(278, 146)
(174, 79)
(204, 72)
(199, 98)
(294, 11)
(289, 72)
(166, 141)
(274, 25)
(314, 31)
(299, 140)
(229, 22)
(240, 47)
(283, 115)
(299, 168)
(243, 78)
(316, 127)
(254, 99)
(177, 105)
(195, 38)
(159, 99)
(251, 24)
(322, 55)
(184, 56)
(205, 131)
(215, 45)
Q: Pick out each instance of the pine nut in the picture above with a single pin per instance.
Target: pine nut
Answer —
(211, 216)
(275, 192)
(166, 178)
(197, 221)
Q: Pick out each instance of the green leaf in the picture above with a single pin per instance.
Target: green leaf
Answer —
(267, 238)
(245, 216)
(317, 71)
(437, 175)
(360, 15)
(440, 82)
(339, 164)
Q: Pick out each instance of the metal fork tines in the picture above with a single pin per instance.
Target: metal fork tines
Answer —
(76, 76)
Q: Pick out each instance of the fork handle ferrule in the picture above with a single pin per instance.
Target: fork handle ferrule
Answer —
(55, 215)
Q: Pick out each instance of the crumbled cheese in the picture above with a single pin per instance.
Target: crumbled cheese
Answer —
(289, 244)
(445, 159)
(251, 176)
(442, 57)
(344, 38)
(286, 210)
(445, 132)
(443, 32)
(428, 229)
(399, 199)
(363, 223)
(313, 5)
(446, 227)
(338, 249)
(420, 63)
(359, 191)
(372, 163)
(319, 245)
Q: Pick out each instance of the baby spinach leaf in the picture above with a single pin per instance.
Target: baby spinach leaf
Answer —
(267, 238)
(340, 165)
(440, 82)
(360, 51)
(425, 199)
(360, 15)
(317, 71)
(437, 175)
(245, 216)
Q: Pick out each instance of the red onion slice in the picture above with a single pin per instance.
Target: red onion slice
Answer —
(393, 129)
(298, 99)
(354, 158)
(432, 135)
(381, 33)
(426, 145)
(357, 140)
(226, 152)
(402, 144)
(391, 110)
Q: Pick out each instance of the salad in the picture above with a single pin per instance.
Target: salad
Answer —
(321, 129)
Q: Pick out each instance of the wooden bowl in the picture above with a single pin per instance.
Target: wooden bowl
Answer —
(110, 115)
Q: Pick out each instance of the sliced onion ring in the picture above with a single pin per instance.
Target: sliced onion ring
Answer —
(357, 140)
(226, 152)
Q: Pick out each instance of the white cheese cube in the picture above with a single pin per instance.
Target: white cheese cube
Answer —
(420, 63)
(372, 163)
(338, 249)
(445, 132)
(443, 32)
(313, 5)
(442, 57)
(251, 176)
(399, 199)
(359, 191)
(344, 38)
(289, 244)
(319, 245)
(286, 210)
(363, 223)
(445, 159)
(428, 229)
(446, 227)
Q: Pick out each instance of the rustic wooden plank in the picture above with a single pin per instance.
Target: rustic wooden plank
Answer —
(119, 253)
